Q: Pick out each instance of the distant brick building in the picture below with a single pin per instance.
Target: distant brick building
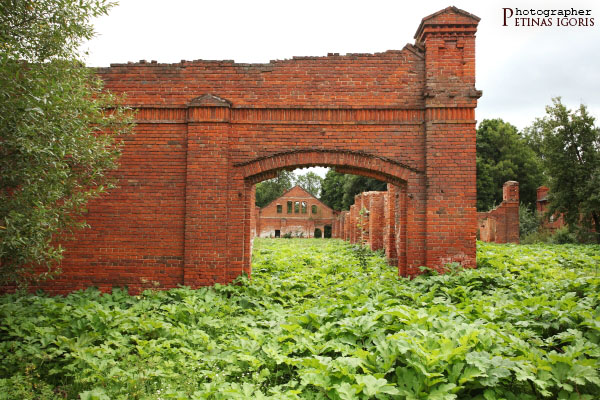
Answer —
(552, 222)
(296, 213)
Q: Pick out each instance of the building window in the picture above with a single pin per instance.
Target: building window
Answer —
(296, 207)
(303, 207)
(277, 233)
(279, 209)
(289, 207)
(314, 209)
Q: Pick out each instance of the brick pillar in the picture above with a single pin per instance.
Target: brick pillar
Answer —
(352, 224)
(389, 230)
(448, 38)
(510, 201)
(257, 226)
(206, 230)
(334, 226)
(311, 229)
(409, 236)
(376, 220)
(363, 217)
(346, 226)
(254, 216)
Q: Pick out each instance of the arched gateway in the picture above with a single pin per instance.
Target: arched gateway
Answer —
(207, 131)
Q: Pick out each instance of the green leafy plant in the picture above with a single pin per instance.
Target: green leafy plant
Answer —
(361, 251)
(311, 324)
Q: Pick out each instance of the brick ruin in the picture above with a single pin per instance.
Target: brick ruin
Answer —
(296, 213)
(552, 222)
(208, 131)
(501, 225)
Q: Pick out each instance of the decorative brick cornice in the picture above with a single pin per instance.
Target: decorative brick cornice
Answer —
(447, 21)
(312, 116)
(209, 100)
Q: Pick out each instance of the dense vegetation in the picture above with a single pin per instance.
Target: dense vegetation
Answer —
(339, 189)
(313, 324)
(57, 142)
(569, 145)
(504, 154)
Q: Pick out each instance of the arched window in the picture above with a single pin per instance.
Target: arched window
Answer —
(314, 209)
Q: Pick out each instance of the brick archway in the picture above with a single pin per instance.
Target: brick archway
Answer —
(381, 168)
(400, 178)
(206, 130)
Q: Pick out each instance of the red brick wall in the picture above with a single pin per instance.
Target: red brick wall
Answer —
(501, 225)
(208, 131)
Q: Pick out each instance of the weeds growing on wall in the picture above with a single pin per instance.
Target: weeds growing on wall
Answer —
(312, 325)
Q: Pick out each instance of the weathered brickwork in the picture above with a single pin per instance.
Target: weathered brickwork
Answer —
(296, 213)
(501, 225)
(552, 222)
(208, 131)
(376, 220)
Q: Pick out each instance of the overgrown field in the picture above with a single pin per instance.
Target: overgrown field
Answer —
(314, 324)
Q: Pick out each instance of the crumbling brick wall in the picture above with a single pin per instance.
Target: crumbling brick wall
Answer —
(552, 222)
(208, 131)
(381, 224)
(501, 225)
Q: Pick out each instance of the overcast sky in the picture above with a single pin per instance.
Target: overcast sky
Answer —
(520, 69)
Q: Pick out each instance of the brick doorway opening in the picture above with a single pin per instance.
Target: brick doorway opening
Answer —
(398, 224)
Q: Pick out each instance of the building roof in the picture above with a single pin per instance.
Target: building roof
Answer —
(305, 192)
(435, 18)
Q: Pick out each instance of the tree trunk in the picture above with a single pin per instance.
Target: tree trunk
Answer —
(596, 219)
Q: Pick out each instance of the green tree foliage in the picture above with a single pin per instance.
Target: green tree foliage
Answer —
(269, 190)
(529, 221)
(57, 139)
(311, 182)
(332, 190)
(503, 154)
(338, 190)
(570, 146)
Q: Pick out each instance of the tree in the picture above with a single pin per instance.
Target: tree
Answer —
(503, 154)
(310, 182)
(332, 189)
(570, 146)
(269, 190)
(57, 130)
(338, 190)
